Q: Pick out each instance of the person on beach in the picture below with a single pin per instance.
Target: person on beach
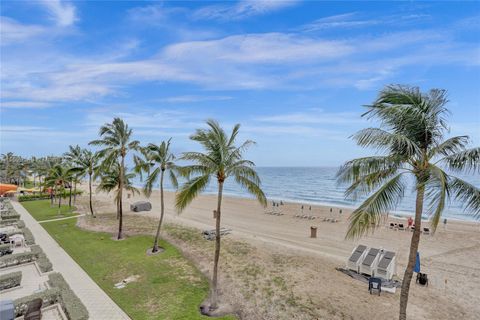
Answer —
(445, 223)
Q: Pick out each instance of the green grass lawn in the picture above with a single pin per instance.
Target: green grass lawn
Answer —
(168, 287)
(41, 209)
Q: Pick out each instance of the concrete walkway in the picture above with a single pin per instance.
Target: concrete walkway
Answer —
(71, 217)
(98, 303)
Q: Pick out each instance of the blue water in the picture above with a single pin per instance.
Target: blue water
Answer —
(318, 185)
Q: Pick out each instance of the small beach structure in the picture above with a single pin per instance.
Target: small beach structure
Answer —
(387, 266)
(356, 258)
(369, 264)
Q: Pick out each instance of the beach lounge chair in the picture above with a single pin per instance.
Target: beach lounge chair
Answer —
(387, 266)
(375, 284)
(34, 310)
(369, 264)
(392, 225)
(426, 230)
(401, 227)
(356, 258)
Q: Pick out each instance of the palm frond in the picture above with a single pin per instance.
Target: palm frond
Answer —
(190, 190)
(253, 188)
(438, 192)
(467, 161)
(368, 215)
(467, 194)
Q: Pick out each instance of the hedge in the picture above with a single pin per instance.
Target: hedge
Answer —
(8, 222)
(4, 248)
(43, 196)
(27, 234)
(36, 254)
(10, 280)
(49, 297)
(72, 305)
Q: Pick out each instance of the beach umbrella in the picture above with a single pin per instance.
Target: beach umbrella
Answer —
(417, 263)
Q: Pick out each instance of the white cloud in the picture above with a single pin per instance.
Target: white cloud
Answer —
(314, 116)
(62, 12)
(242, 9)
(24, 104)
(12, 31)
(193, 98)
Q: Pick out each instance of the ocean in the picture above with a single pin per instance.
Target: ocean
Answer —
(318, 185)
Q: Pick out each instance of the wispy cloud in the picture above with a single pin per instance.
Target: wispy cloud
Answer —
(242, 9)
(24, 104)
(193, 98)
(63, 13)
(314, 116)
(12, 31)
(355, 20)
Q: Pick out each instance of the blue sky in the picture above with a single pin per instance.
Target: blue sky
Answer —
(295, 74)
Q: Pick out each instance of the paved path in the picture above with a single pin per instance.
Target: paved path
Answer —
(98, 303)
(50, 220)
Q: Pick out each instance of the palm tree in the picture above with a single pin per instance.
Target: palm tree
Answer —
(110, 180)
(87, 164)
(58, 177)
(161, 160)
(116, 139)
(72, 156)
(222, 159)
(411, 133)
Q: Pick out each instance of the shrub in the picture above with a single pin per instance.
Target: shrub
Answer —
(4, 248)
(29, 238)
(9, 222)
(42, 261)
(72, 305)
(43, 196)
(10, 280)
(36, 254)
(49, 297)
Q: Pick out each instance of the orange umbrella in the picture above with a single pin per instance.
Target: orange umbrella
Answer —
(4, 188)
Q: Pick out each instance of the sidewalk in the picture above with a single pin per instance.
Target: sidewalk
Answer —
(97, 302)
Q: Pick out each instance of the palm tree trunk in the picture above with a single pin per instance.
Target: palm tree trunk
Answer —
(70, 197)
(75, 192)
(162, 210)
(407, 277)
(120, 192)
(90, 193)
(59, 204)
(214, 303)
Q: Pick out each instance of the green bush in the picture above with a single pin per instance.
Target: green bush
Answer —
(42, 261)
(8, 222)
(36, 254)
(72, 305)
(43, 196)
(27, 234)
(4, 248)
(10, 280)
(49, 297)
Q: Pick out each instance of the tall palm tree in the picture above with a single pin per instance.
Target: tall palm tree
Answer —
(72, 156)
(222, 159)
(161, 160)
(411, 133)
(116, 138)
(87, 164)
(58, 177)
(110, 180)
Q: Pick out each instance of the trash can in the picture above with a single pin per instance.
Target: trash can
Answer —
(313, 232)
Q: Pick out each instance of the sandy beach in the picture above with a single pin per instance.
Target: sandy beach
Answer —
(450, 257)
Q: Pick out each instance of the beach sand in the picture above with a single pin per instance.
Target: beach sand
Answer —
(450, 257)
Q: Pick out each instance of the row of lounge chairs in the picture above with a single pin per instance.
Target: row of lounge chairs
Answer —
(402, 227)
(274, 213)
